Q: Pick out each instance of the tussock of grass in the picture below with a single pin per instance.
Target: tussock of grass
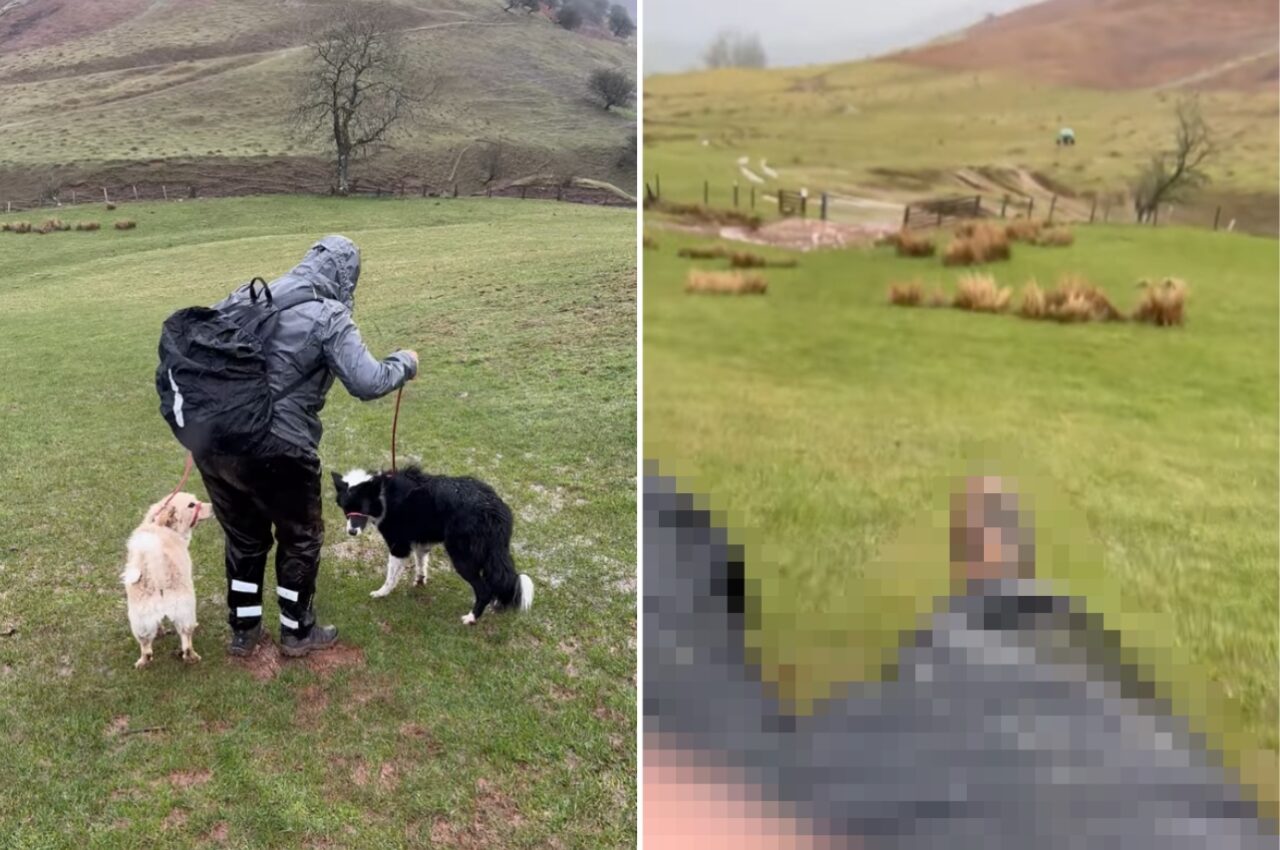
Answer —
(725, 283)
(1033, 302)
(987, 244)
(981, 294)
(910, 244)
(126, 224)
(1162, 304)
(650, 244)
(1076, 299)
(906, 294)
(1057, 237)
(110, 207)
(938, 298)
(714, 252)
(1023, 230)
(88, 225)
(747, 260)
(53, 225)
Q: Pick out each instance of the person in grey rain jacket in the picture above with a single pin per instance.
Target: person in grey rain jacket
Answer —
(276, 489)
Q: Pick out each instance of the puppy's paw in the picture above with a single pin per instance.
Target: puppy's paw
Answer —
(420, 581)
(380, 592)
(191, 657)
(142, 662)
(468, 619)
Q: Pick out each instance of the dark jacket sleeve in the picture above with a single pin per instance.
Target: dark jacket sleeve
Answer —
(361, 373)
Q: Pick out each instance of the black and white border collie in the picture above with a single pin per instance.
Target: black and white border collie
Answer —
(414, 511)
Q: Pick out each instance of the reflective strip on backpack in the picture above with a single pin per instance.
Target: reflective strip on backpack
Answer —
(177, 400)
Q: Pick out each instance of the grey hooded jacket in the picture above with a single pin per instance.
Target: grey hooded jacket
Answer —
(321, 334)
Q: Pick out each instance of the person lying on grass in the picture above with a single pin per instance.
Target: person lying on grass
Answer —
(1008, 720)
(261, 467)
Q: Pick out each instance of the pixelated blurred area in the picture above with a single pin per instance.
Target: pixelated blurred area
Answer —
(979, 685)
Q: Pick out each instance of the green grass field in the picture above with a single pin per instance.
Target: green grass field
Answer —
(519, 732)
(829, 426)
(892, 130)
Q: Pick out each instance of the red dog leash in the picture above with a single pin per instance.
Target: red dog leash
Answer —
(186, 473)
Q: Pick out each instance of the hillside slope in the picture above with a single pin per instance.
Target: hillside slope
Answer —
(1116, 44)
(122, 88)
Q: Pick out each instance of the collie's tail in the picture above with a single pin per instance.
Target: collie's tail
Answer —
(524, 593)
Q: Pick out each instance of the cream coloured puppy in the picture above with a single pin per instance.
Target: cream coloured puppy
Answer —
(157, 573)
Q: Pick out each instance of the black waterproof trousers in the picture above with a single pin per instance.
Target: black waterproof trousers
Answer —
(254, 497)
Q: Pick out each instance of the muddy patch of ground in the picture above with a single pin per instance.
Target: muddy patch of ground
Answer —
(267, 661)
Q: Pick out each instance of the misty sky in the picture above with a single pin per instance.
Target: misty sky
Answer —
(798, 32)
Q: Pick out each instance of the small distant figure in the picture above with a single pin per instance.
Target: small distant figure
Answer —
(1066, 137)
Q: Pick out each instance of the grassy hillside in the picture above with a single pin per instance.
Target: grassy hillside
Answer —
(519, 732)
(1228, 44)
(886, 130)
(211, 83)
(829, 425)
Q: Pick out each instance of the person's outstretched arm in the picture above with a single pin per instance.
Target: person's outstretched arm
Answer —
(364, 376)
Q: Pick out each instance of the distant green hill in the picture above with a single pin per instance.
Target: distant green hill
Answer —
(132, 90)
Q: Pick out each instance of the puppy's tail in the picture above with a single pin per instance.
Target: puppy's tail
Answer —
(524, 593)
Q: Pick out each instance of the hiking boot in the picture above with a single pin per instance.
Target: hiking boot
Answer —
(320, 637)
(243, 643)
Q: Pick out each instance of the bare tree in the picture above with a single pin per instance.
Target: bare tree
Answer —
(620, 21)
(358, 89)
(612, 87)
(735, 50)
(493, 161)
(1170, 173)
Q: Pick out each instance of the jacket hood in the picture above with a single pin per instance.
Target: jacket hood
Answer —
(332, 266)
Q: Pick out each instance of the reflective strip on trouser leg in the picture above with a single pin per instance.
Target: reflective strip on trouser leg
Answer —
(286, 593)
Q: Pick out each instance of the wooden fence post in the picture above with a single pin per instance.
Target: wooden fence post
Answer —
(1052, 206)
(164, 190)
(1093, 210)
(977, 206)
(1217, 217)
(753, 197)
(824, 206)
(8, 206)
(906, 216)
(735, 194)
(105, 199)
(1031, 207)
(1004, 205)
(135, 191)
(706, 193)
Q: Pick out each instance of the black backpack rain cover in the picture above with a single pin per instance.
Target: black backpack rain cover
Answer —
(212, 378)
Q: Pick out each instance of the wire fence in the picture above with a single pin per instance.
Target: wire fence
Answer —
(938, 212)
(408, 187)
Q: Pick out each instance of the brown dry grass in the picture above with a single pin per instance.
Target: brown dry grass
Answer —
(938, 298)
(981, 294)
(986, 244)
(725, 283)
(1075, 299)
(906, 294)
(650, 243)
(88, 225)
(1057, 237)
(126, 224)
(747, 260)
(910, 244)
(110, 206)
(713, 252)
(1162, 304)
(1033, 302)
(697, 212)
(1022, 230)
